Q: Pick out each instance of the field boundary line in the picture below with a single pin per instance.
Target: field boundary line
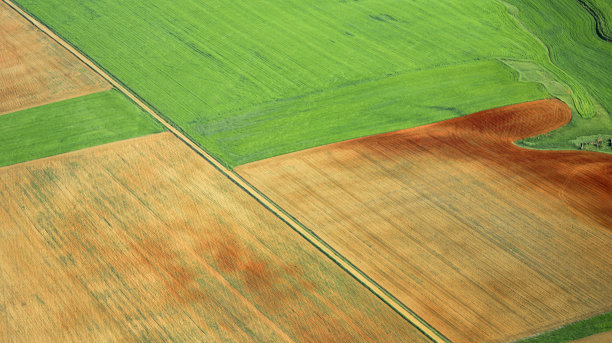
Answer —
(310, 236)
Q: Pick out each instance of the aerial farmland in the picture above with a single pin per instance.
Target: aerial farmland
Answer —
(305, 171)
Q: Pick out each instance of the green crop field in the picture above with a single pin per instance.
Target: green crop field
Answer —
(363, 108)
(602, 12)
(70, 125)
(568, 30)
(240, 76)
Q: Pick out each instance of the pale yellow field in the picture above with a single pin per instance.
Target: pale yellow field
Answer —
(144, 240)
(35, 70)
(605, 337)
(484, 240)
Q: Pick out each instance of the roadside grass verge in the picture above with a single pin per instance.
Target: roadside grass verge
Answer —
(71, 125)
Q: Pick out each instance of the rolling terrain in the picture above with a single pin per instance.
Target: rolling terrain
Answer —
(569, 34)
(34, 70)
(143, 240)
(482, 239)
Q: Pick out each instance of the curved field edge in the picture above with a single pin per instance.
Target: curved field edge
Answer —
(389, 103)
(245, 74)
(71, 124)
(342, 179)
(601, 10)
(576, 55)
(577, 330)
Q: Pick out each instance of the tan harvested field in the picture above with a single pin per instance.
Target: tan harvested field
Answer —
(143, 240)
(484, 240)
(35, 70)
(605, 337)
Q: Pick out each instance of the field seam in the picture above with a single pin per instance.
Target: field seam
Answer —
(70, 97)
(321, 245)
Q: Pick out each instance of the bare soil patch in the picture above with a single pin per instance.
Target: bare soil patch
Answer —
(35, 70)
(142, 240)
(484, 240)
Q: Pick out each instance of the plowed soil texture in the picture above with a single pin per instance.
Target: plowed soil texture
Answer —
(484, 240)
(35, 70)
(142, 240)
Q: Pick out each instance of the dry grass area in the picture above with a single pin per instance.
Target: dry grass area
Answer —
(605, 337)
(484, 240)
(35, 70)
(143, 240)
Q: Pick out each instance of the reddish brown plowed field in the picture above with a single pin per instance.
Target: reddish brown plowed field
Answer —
(143, 240)
(35, 70)
(484, 240)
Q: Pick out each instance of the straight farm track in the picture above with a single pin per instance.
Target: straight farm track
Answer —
(484, 240)
(35, 70)
(142, 240)
(263, 200)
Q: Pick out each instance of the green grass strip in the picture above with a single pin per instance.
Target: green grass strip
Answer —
(364, 108)
(71, 125)
(585, 328)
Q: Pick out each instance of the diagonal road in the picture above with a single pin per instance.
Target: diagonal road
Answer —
(310, 236)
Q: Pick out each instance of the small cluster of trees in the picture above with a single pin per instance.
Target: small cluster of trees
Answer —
(596, 141)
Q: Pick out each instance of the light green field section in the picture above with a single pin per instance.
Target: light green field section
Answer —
(368, 107)
(202, 63)
(568, 31)
(579, 130)
(71, 125)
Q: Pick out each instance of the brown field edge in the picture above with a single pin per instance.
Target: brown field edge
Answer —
(485, 240)
(85, 263)
(366, 281)
(32, 62)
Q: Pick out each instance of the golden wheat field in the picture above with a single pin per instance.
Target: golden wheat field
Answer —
(143, 240)
(35, 70)
(484, 240)
(598, 338)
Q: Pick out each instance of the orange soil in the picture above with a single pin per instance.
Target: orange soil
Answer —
(35, 70)
(484, 240)
(144, 240)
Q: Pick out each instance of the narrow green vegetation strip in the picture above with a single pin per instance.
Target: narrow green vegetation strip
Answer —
(576, 330)
(366, 108)
(71, 125)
